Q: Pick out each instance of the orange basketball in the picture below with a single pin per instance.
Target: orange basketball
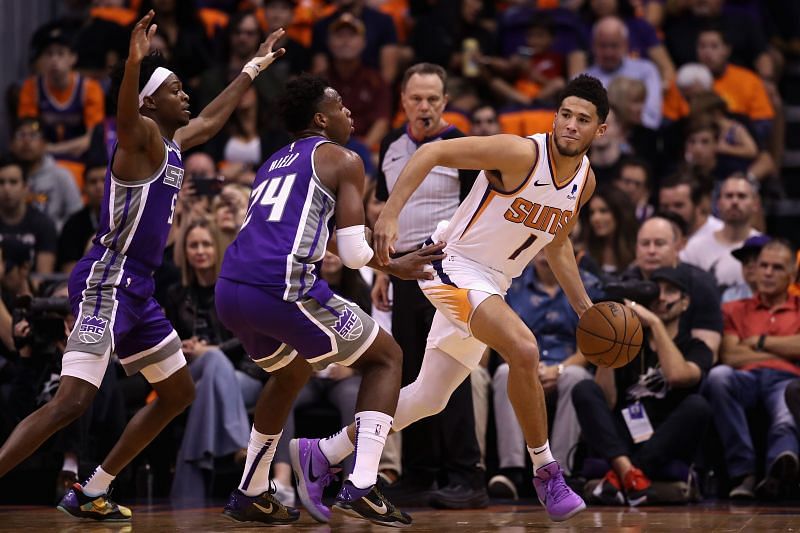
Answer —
(609, 334)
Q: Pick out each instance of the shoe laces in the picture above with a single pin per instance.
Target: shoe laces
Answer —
(558, 488)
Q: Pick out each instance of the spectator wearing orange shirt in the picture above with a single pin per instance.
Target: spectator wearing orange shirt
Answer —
(67, 104)
(760, 349)
(742, 90)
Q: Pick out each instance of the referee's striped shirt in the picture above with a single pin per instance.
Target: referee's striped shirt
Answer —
(436, 198)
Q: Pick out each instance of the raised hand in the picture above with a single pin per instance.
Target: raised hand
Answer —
(140, 38)
(265, 55)
(412, 266)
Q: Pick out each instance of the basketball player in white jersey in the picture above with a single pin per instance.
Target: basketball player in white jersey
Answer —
(526, 199)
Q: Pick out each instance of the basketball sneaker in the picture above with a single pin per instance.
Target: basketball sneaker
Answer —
(558, 499)
(609, 490)
(264, 508)
(99, 508)
(313, 473)
(369, 504)
(637, 486)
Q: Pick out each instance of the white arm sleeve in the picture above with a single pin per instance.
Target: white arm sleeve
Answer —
(354, 251)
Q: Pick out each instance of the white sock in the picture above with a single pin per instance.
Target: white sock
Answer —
(70, 463)
(541, 455)
(372, 428)
(99, 482)
(260, 452)
(336, 447)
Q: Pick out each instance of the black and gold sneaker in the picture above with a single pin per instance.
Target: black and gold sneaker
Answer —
(100, 508)
(264, 508)
(369, 504)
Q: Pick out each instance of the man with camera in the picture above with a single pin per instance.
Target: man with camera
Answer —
(636, 416)
(657, 245)
(40, 329)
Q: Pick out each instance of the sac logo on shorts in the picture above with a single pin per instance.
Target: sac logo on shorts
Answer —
(349, 326)
(91, 329)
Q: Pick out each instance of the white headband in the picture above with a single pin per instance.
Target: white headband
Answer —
(155, 81)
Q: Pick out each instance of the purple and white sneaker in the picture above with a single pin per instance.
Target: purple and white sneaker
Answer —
(313, 473)
(558, 499)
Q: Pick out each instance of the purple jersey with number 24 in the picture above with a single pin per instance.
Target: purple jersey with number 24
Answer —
(287, 226)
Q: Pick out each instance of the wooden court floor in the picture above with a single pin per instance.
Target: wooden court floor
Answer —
(709, 517)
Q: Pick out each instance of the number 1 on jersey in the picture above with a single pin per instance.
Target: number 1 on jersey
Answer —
(527, 244)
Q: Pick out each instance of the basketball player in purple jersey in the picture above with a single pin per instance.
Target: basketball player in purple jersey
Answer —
(270, 295)
(111, 287)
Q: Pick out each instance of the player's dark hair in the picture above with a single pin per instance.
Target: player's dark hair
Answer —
(590, 89)
(149, 65)
(300, 101)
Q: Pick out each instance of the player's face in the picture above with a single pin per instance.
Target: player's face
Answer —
(338, 123)
(575, 126)
(200, 249)
(601, 218)
(172, 104)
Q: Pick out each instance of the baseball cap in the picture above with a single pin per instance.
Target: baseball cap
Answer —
(676, 276)
(752, 246)
(49, 35)
(347, 20)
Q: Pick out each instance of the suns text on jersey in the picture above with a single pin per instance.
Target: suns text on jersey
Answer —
(536, 216)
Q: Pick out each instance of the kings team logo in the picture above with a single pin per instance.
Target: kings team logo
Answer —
(348, 325)
(91, 329)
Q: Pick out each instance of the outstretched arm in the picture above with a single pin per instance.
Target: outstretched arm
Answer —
(136, 133)
(561, 257)
(216, 114)
(509, 154)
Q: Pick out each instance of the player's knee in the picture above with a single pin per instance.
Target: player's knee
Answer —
(523, 355)
(394, 355)
(66, 409)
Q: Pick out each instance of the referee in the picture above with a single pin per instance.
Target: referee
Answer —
(441, 447)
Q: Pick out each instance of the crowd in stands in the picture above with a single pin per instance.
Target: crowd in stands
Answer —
(677, 229)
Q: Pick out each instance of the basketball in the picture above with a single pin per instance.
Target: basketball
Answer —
(609, 335)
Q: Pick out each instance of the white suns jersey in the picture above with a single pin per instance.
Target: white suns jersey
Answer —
(504, 231)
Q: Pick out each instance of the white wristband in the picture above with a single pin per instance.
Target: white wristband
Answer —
(252, 69)
(354, 251)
